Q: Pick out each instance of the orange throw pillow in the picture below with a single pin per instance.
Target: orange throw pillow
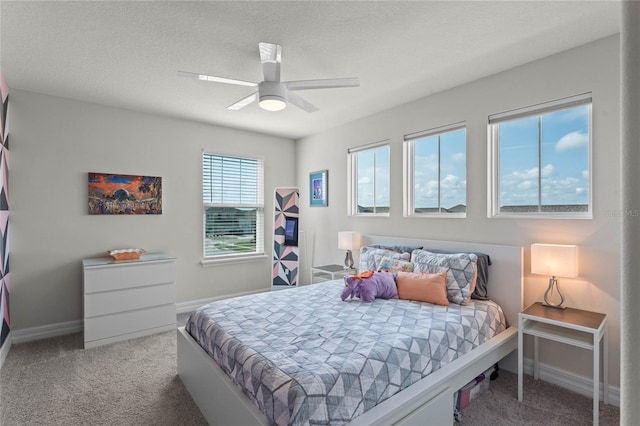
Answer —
(423, 287)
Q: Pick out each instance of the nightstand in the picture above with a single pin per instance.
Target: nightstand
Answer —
(329, 272)
(575, 327)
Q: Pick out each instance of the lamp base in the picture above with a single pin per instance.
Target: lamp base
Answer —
(348, 260)
(553, 287)
(553, 306)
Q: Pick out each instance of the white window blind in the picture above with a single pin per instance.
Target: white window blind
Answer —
(233, 206)
(543, 108)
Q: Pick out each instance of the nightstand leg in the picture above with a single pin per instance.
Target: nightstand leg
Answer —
(596, 378)
(536, 370)
(520, 355)
(605, 368)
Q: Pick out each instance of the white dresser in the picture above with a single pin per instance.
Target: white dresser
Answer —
(128, 299)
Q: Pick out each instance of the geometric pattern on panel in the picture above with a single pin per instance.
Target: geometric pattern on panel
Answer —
(4, 308)
(4, 95)
(4, 243)
(285, 258)
(4, 213)
(4, 175)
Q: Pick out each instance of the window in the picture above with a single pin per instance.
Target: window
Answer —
(541, 160)
(233, 207)
(369, 179)
(436, 172)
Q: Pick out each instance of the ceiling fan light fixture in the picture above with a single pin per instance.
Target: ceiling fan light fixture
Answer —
(272, 103)
(274, 94)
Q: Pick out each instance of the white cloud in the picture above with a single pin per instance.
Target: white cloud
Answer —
(527, 184)
(450, 181)
(521, 186)
(428, 190)
(459, 157)
(568, 181)
(452, 192)
(572, 140)
(526, 174)
(547, 170)
(585, 174)
(533, 173)
(426, 165)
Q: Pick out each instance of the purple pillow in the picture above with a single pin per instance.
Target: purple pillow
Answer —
(380, 284)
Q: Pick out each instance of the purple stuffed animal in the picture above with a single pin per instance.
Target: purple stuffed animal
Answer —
(369, 285)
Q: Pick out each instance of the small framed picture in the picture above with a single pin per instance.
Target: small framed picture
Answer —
(319, 188)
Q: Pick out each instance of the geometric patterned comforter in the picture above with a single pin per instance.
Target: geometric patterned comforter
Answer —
(306, 357)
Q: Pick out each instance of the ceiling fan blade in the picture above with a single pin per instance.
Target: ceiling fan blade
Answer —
(328, 83)
(301, 103)
(205, 77)
(271, 57)
(244, 101)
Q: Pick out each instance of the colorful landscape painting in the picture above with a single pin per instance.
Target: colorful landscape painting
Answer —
(124, 194)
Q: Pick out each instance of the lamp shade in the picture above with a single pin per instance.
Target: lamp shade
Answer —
(348, 240)
(555, 260)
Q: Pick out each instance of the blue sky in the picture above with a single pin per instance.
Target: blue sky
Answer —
(453, 170)
(366, 173)
(564, 165)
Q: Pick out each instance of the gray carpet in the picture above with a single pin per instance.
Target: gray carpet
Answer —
(56, 382)
(542, 404)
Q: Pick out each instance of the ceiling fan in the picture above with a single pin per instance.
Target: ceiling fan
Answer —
(273, 94)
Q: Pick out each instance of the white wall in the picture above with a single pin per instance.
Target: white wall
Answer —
(55, 142)
(630, 130)
(593, 67)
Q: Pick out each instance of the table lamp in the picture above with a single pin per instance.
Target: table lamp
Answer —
(555, 260)
(348, 241)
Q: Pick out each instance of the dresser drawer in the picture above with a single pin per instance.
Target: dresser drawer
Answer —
(129, 322)
(108, 302)
(115, 277)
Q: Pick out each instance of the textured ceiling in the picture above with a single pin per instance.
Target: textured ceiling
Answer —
(126, 54)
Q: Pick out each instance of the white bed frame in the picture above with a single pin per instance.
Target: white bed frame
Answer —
(430, 400)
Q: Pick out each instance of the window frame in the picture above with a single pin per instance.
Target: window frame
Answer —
(408, 146)
(493, 156)
(352, 175)
(259, 254)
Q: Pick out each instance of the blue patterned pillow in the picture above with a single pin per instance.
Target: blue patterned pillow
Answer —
(398, 249)
(393, 265)
(460, 268)
(371, 256)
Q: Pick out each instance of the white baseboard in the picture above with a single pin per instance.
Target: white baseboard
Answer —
(4, 350)
(191, 305)
(70, 327)
(46, 331)
(571, 381)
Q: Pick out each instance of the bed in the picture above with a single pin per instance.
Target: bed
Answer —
(412, 397)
